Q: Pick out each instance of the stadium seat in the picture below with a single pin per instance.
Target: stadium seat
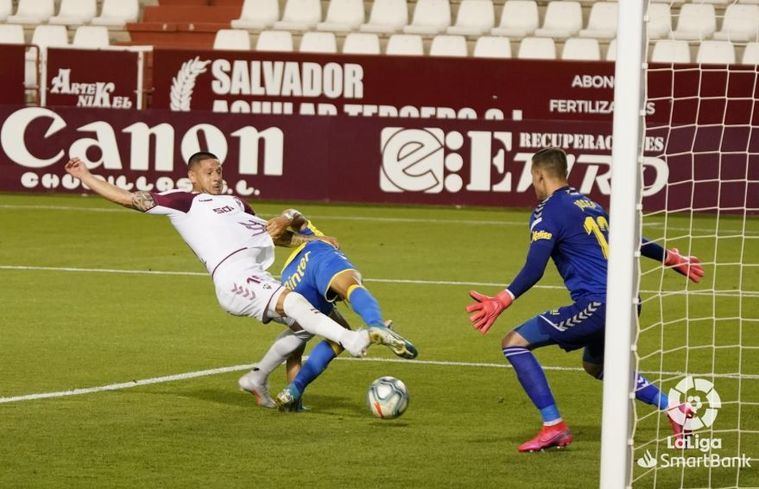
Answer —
(75, 12)
(44, 36)
(519, 18)
(581, 49)
(386, 16)
(50, 36)
(670, 51)
(343, 16)
(116, 13)
(611, 51)
(716, 2)
(430, 17)
(405, 45)
(751, 54)
(696, 21)
(563, 19)
(740, 24)
(537, 48)
(659, 23)
(6, 9)
(474, 18)
(91, 36)
(492, 47)
(32, 12)
(257, 15)
(300, 15)
(751, 2)
(716, 52)
(281, 41)
(449, 45)
(11, 34)
(361, 43)
(602, 23)
(232, 40)
(318, 42)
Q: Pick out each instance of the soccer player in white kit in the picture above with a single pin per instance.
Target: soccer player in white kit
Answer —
(233, 244)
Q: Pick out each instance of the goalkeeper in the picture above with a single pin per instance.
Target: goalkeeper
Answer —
(323, 275)
(572, 230)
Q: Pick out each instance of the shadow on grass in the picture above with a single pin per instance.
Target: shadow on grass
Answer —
(319, 404)
(582, 433)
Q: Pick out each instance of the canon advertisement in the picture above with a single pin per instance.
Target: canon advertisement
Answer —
(340, 158)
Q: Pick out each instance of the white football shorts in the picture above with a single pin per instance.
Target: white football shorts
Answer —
(244, 288)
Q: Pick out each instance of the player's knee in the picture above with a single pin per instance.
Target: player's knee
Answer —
(513, 338)
(280, 306)
(593, 369)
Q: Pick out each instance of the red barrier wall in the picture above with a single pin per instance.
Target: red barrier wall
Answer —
(92, 78)
(341, 158)
(12, 79)
(452, 88)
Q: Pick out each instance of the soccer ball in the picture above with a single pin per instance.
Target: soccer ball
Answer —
(387, 397)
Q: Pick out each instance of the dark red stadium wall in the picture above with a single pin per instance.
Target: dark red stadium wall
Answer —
(431, 160)
(340, 158)
(472, 86)
(12, 59)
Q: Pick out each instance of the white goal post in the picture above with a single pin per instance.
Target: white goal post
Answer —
(694, 112)
(624, 239)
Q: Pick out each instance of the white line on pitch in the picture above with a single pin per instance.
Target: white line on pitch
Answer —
(724, 293)
(239, 368)
(491, 222)
(204, 274)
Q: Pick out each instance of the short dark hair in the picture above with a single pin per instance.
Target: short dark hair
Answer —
(198, 157)
(552, 160)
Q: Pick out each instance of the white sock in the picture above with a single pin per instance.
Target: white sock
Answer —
(286, 343)
(316, 323)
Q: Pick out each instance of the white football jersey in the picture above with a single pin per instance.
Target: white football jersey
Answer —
(216, 226)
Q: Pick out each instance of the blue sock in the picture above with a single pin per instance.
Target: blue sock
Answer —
(317, 362)
(533, 380)
(366, 306)
(650, 394)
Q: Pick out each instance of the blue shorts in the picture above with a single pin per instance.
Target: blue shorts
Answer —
(311, 272)
(579, 325)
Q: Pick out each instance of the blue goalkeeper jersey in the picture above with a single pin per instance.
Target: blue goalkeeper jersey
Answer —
(573, 230)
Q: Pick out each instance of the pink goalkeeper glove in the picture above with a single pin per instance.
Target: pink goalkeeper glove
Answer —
(487, 309)
(690, 266)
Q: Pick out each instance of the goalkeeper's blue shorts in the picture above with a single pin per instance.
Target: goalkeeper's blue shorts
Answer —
(579, 325)
(311, 273)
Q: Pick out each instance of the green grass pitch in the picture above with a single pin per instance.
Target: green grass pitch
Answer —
(69, 323)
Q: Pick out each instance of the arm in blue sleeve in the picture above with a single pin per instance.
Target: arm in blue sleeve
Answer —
(652, 250)
(532, 271)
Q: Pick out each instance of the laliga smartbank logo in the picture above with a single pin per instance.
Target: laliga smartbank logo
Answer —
(702, 400)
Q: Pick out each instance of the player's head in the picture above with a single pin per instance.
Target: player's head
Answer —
(549, 171)
(204, 171)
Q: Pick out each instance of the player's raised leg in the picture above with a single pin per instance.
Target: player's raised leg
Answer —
(347, 285)
(517, 346)
(293, 305)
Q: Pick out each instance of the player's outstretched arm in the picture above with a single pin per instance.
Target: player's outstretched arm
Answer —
(138, 200)
(690, 266)
(485, 310)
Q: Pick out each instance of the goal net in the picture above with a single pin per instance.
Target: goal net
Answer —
(699, 342)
